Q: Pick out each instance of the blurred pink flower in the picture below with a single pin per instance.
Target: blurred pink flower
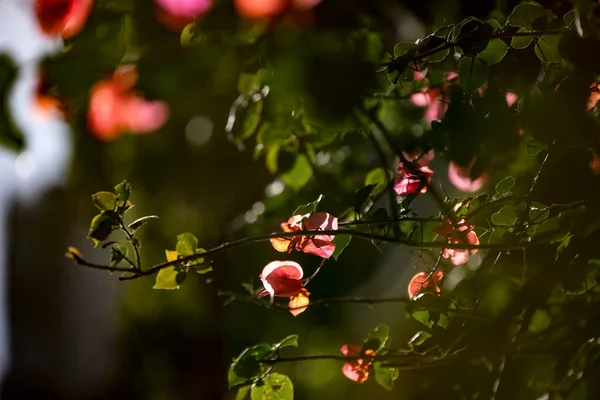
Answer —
(461, 233)
(422, 282)
(413, 179)
(460, 177)
(62, 17)
(176, 14)
(319, 245)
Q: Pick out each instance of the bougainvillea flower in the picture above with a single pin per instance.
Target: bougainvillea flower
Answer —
(460, 177)
(422, 282)
(357, 370)
(460, 233)
(413, 178)
(594, 96)
(176, 14)
(259, 9)
(299, 302)
(435, 99)
(62, 17)
(319, 245)
(115, 108)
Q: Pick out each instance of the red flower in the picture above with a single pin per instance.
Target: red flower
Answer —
(460, 177)
(422, 282)
(594, 96)
(319, 245)
(435, 99)
(259, 9)
(284, 279)
(415, 178)
(458, 234)
(62, 17)
(115, 109)
(357, 370)
(176, 14)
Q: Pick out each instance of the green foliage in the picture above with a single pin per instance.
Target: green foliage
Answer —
(10, 136)
(275, 387)
(385, 376)
(341, 242)
(105, 201)
(308, 208)
(299, 174)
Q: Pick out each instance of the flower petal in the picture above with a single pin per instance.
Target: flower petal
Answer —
(282, 278)
(299, 303)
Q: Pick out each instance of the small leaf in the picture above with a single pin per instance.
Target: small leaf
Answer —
(186, 244)
(379, 337)
(423, 317)
(308, 208)
(385, 376)
(418, 339)
(105, 201)
(74, 254)
(171, 255)
(546, 48)
(102, 225)
(494, 52)
(299, 174)
(361, 196)
(291, 340)
(380, 178)
(540, 321)
(472, 73)
(507, 216)
(243, 392)
(138, 223)
(123, 191)
(117, 253)
(275, 387)
(505, 185)
(341, 242)
(247, 366)
(563, 245)
(167, 279)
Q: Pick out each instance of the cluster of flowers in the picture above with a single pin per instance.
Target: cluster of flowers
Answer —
(114, 107)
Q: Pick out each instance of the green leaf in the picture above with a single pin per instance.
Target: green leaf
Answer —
(138, 223)
(361, 196)
(186, 244)
(521, 42)
(123, 191)
(378, 338)
(247, 366)
(540, 321)
(402, 48)
(505, 185)
(74, 254)
(291, 340)
(563, 245)
(443, 321)
(308, 208)
(117, 253)
(472, 73)
(380, 178)
(418, 339)
(494, 52)
(10, 135)
(507, 216)
(538, 212)
(105, 201)
(423, 317)
(341, 242)
(102, 225)
(385, 376)
(275, 387)
(525, 14)
(243, 392)
(299, 174)
(546, 48)
(167, 279)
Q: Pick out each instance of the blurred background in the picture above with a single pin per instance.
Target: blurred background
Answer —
(68, 332)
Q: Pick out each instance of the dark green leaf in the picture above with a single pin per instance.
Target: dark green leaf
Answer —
(505, 185)
(379, 177)
(291, 340)
(378, 338)
(102, 225)
(251, 121)
(105, 201)
(275, 387)
(472, 73)
(546, 48)
(309, 208)
(138, 223)
(418, 339)
(167, 279)
(186, 244)
(494, 52)
(507, 216)
(521, 42)
(423, 317)
(540, 321)
(525, 14)
(117, 253)
(563, 245)
(299, 174)
(385, 376)
(361, 196)
(341, 242)
(123, 191)
(247, 366)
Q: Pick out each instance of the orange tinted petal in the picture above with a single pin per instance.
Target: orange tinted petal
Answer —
(299, 303)
(280, 244)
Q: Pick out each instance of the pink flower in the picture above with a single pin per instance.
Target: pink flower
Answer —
(414, 178)
(284, 279)
(460, 177)
(62, 17)
(461, 233)
(422, 282)
(435, 99)
(357, 370)
(319, 245)
(594, 96)
(176, 14)
(258, 9)
(115, 108)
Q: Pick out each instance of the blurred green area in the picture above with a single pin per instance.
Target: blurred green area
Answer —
(225, 185)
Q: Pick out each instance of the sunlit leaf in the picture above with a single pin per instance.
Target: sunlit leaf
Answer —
(186, 244)
(123, 191)
(378, 177)
(105, 201)
(167, 279)
(102, 225)
(494, 52)
(540, 321)
(275, 387)
(138, 223)
(385, 376)
(308, 208)
(341, 242)
(291, 340)
(299, 174)
(418, 339)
